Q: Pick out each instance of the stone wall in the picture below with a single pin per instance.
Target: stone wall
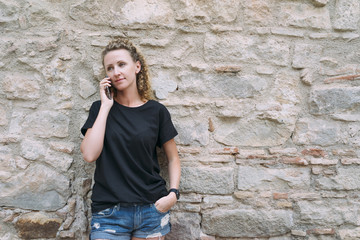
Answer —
(265, 95)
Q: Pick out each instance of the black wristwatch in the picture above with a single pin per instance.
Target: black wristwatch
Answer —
(176, 191)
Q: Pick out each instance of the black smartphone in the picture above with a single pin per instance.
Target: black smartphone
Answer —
(108, 91)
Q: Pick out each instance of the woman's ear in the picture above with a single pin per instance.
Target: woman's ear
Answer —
(138, 67)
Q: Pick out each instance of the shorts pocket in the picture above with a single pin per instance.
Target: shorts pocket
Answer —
(104, 213)
(157, 210)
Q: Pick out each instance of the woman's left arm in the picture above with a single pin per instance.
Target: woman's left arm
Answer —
(165, 203)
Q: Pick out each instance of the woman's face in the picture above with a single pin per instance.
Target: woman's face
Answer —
(121, 69)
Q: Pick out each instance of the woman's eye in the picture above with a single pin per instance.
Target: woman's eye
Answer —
(121, 64)
(109, 68)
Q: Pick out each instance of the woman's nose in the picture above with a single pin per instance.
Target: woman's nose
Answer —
(117, 70)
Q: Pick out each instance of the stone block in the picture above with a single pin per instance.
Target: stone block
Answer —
(186, 207)
(294, 160)
(184, 226)
(32, 149)
(306, 55)
(147, 12)
(348, 161)
(274, 51)
(264, 179)
(87, 88)
(191, 198)
(248, 223)
(345, 179)
(22, 86)
(350, 234)
(37, 225)
(220, 86)
(234, 48)
(163, 85)
(60, 161)
(244, 194)
(192, 133)
(321, 231)
(233, 109)
(42, 14)
(323, 161)
(314, 152)
(298, 233)
(328, 213)
(304, 16)
(212, 11)
(345, 152)
(207, 180)
(335, 100)
(65, 147)
(220, 200)
(258, 12)
(320, 3)
(257, 134)
(347, 15)
(38, 188)
(274, 118)
(46, 124)
(316, 132)
(350, 134)
(123, 13)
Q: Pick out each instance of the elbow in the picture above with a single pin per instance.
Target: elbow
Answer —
(88, 157)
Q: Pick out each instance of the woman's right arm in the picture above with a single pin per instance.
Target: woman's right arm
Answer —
(93, 142)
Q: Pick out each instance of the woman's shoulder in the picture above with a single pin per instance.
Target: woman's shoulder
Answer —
(95, 105)
(156, 104)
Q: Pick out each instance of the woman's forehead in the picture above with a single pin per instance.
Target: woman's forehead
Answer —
(117, 55)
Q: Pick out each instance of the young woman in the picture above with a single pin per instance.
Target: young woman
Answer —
(129, 197)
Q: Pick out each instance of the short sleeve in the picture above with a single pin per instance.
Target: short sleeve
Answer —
(94, 111)
(167, 129)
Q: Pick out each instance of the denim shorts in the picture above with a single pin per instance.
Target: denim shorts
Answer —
(123, 221)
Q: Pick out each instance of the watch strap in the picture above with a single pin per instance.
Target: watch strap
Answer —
(176, 191)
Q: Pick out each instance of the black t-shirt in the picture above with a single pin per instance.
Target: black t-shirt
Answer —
(127, 170)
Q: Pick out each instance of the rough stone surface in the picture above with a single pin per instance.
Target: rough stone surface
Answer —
(265, 96)
(335, 101)
(334, 212)
(208, 180)
(38, 188)
(265, 179)
(37, 225)
(347, 15)
(247, 223)
(188, 224)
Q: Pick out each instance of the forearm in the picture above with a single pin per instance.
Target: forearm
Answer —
(93, 141)
(174, 169)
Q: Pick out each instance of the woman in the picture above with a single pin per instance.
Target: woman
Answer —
(129, 197)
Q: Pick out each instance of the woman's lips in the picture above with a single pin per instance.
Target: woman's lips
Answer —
(119, 80)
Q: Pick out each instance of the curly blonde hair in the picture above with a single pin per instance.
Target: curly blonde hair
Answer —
(142, 78)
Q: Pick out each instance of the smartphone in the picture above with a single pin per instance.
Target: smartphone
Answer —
(108, 91)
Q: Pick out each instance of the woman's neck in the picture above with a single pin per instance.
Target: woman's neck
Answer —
(129, 100)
